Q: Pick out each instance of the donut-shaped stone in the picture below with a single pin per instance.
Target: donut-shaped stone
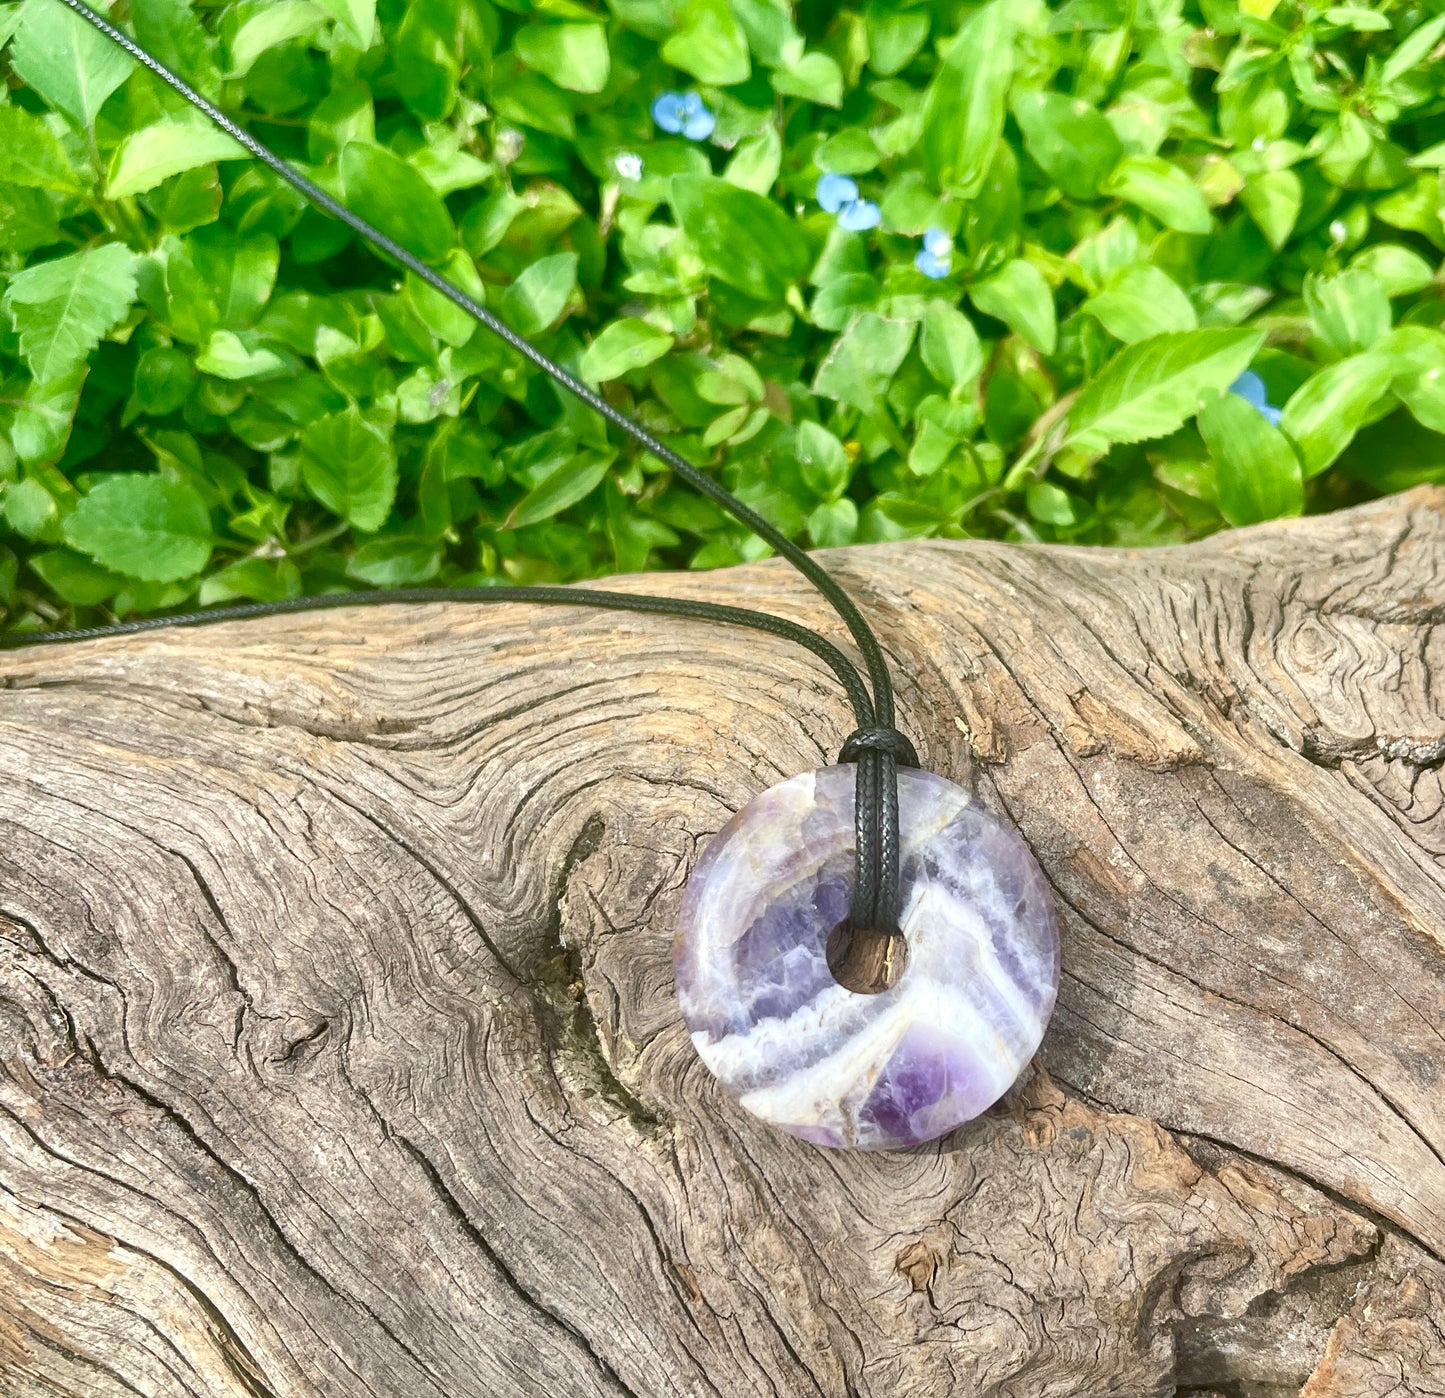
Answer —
(836, 1067)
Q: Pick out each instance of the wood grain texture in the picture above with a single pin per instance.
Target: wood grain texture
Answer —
(338, 1053)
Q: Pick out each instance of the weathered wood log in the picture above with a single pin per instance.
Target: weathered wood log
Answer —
(338, 1053)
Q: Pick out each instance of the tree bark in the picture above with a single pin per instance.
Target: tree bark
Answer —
(338, 1053)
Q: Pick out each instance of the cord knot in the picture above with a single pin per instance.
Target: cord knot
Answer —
(888, 740)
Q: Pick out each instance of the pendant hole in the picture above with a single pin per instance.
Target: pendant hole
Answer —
(864, 961)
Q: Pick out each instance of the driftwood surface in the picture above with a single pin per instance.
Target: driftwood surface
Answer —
(339, 1055)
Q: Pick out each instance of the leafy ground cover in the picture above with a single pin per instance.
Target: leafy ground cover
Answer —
(898, 269)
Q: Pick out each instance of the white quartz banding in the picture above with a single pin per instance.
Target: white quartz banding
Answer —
(872, 1071)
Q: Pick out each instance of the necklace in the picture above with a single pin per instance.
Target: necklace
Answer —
(866, 956)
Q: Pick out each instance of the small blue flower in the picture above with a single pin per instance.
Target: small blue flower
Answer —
(931, 266)
(700, 122)
(1250, 387)
(683, 113)
(834, 191)
(935, 258)
(667, 111)
(859, 216)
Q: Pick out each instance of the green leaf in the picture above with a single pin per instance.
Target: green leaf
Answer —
(1400, 270)
(1153, 388)
(27, 219)
(841, 299)
(390, 193)
(238, 272)
(187, 200)
(1072, 143)
(833, 524)
(30, 509)
(1431, 158)
(64, 59)
(63, 307)
(357, 17)
(1051, 504)
(815, 77)
(163, 380)
(963, 112)
(744, 239)
(725, 427)
(400, 561)
(348, 464)
(1274, 199)
(822, 460)
(441, 315)
(1417, 353)
(1413, 50)
(536, 300)
(709, 43)
(269, 25)
(259, 579)
(1258, 474)
(141, 525)
(31, 156)
(950, 347)
(428, 66)
(863, 359)
(426, 395)
(172, 31)
(756, 162)
(1356, 17)
(43, 417)
(1160, 189)
(1350, 311)
(768, 24)
(10, 16)
(894, 37)
(1140, 301)
(1019, 296)
(732, 381)
(623, 346)
(573, 56)
(1416, 207)
(1424, 395)
(74, 578)
(530, 100)
(227, 356)
(851, 152)
(931, 447)
(1346, 150)
(569, 482)
(1325, 412)
(165, 148)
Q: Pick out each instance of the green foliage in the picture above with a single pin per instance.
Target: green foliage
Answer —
(963, 110)
(1258, 473)
(66, 61)
(209, 391)
(744, 240)
(147, 527)
(1154, 387)
(625, 344)
(61, 308)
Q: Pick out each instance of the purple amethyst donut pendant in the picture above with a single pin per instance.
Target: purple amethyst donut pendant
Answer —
(839, 1068)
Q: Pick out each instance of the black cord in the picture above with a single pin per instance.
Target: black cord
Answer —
(877, 747)
(839, 663)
